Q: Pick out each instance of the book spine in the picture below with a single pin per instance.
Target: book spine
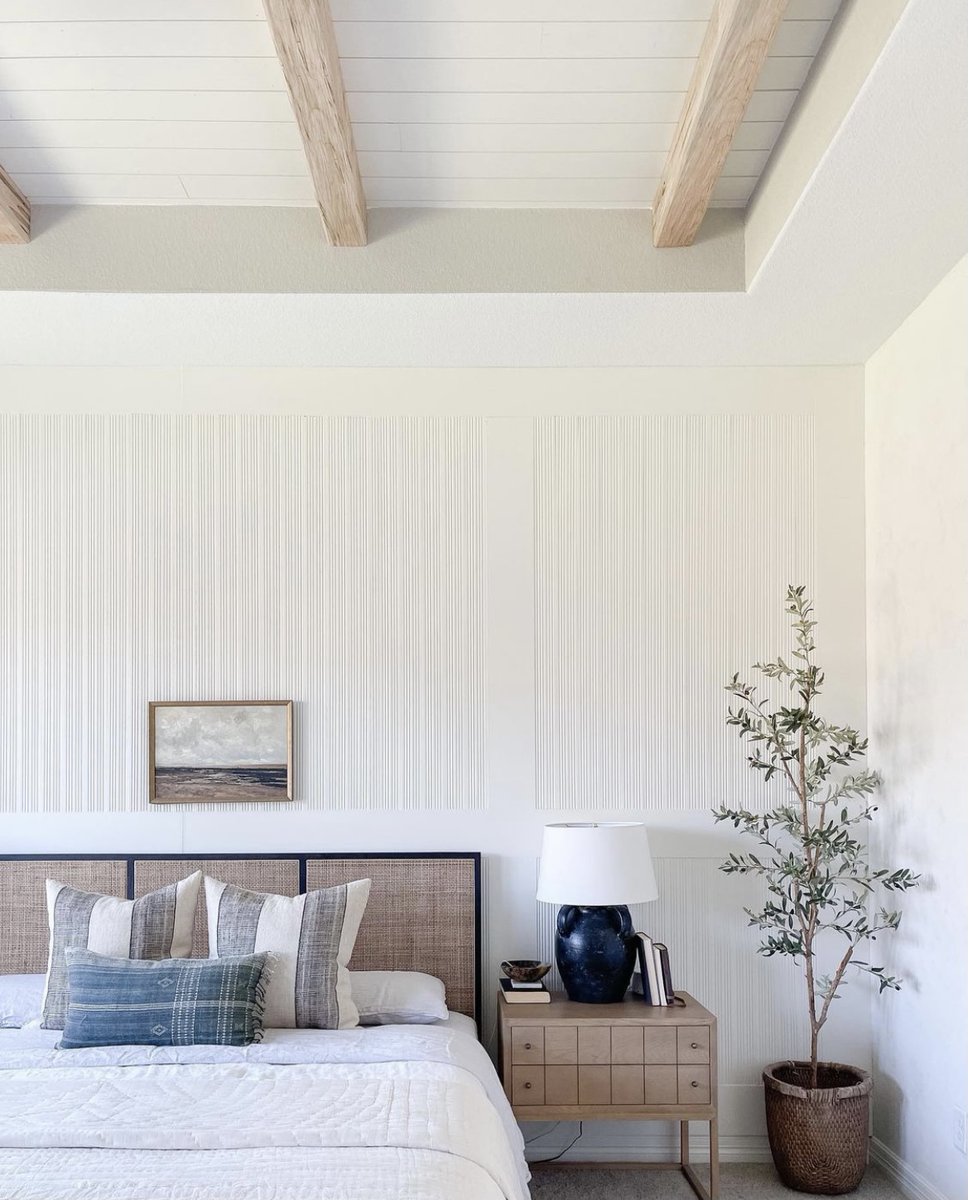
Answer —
(642, 973)
(666, 972)
(660, 985)
(650, 971)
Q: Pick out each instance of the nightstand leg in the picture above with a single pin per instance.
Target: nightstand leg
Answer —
(704, 1193)
(714, 1159)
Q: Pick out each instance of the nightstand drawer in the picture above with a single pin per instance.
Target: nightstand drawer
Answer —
(561, 1044)
(694, 1085)
(527, 1044)
(661, 1084)
(694, 1043)
(527, 1085)
(660, 1046)
(628, 1085)
(594, 1085)
(594, 1044)
(624, 1060)
(561, 1085)
(627, 1044)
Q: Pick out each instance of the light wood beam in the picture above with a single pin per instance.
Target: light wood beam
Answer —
(735, 46)
(306, 45)
(14, 212)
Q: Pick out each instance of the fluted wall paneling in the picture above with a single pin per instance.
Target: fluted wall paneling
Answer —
(486, 623)
(335, 561)
(663, 547)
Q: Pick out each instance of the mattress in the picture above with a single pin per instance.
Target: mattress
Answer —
(395, 1112)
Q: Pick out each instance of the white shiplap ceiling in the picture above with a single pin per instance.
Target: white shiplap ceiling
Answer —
(454, 102)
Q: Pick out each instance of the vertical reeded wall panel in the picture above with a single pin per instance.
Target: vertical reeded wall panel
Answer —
(663, 547)
(335, 561)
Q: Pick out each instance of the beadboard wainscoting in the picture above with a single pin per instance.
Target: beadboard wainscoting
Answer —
(497, 599)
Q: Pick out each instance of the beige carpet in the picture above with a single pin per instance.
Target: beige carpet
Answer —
(738, 1182)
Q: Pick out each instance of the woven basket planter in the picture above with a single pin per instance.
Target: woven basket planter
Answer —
(818, 1135)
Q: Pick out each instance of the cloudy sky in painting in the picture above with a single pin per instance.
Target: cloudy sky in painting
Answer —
(251, 735)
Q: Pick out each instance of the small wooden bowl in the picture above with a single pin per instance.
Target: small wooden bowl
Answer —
(525, 970)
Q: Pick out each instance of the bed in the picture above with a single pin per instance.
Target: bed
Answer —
(391, 1112)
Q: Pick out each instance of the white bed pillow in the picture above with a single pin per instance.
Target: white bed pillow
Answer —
(312, 937)
(21, 1000)
(398, 997)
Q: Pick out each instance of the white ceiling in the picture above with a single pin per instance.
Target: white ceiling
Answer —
(183, 101)
(880, 221)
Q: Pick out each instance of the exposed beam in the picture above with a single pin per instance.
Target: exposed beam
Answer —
(306, 45)
(733, 51)
(14, 212)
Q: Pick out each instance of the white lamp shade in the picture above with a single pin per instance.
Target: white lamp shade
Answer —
(601, 864)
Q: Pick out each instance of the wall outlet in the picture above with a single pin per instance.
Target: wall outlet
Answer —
(961, 1131)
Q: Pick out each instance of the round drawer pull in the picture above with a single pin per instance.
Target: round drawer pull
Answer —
(528, 1085)
(527, 1045)
(695, 1083)
(694, 1045)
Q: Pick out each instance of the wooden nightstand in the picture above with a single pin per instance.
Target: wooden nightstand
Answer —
(568, 1062)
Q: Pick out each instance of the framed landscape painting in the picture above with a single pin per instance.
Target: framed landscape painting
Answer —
(219, 751)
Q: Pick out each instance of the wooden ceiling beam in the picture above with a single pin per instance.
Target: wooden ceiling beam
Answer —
(306, 45)
(734, 49)
(14, 212)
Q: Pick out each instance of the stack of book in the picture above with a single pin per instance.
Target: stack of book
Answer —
(525, 993)
(653, 980)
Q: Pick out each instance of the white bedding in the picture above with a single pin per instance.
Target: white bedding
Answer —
(387, 1113)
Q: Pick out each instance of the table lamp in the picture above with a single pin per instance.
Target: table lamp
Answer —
(594, 871)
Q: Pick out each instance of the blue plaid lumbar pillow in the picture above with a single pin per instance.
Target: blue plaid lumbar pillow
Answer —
(166, 1002)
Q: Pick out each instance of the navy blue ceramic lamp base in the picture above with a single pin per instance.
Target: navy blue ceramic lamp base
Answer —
(595, 952)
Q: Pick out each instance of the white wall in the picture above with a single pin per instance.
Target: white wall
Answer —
(495, 596)
(917, 498)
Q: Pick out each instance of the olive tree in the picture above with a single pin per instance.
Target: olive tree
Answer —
(818, 877)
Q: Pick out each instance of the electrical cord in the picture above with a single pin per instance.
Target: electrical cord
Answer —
(555, 1157)
(544, 1133)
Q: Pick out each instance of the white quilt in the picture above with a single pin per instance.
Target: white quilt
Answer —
(390, 1113)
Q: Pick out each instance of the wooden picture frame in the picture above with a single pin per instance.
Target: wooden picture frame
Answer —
(220, 751)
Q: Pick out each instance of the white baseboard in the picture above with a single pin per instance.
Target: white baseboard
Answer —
(731, 1149)
(904, 1176)
(734, 1149)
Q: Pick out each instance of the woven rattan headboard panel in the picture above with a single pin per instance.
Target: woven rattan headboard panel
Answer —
(418, 918)
(23, 902)
(424, 912)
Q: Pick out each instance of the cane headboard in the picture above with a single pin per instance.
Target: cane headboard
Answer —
(424, 911)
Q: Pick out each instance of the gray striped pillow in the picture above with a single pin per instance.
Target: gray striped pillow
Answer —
(311, 936)
(158, 925)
